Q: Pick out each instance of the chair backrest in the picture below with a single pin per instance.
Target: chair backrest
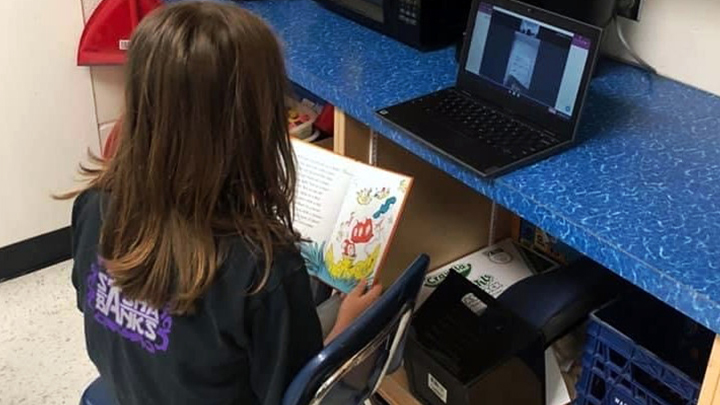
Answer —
(96, 394)
(352, 366)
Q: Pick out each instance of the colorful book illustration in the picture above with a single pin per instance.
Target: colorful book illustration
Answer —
(347, 213)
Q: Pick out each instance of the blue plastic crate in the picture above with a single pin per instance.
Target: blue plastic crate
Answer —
(641, 352)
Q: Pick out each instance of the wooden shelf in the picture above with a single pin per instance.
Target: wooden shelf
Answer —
(447, 220)
(710, 394)
(396, 391)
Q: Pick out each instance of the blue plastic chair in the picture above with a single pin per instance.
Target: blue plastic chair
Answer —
(350, 369)
(96, 394)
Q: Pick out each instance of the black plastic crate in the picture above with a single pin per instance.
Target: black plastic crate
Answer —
(641, 352)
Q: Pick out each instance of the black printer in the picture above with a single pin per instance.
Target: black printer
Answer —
(464, 347)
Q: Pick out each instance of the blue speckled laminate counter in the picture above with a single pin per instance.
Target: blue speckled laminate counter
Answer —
(640, 194)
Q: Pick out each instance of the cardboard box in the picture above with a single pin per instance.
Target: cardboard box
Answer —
(534, 238)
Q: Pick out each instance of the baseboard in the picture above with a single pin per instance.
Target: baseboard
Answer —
(35, 253)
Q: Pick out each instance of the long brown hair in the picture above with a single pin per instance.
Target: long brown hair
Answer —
(203, 153)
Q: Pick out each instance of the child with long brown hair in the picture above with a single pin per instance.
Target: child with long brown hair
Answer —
(186, 266)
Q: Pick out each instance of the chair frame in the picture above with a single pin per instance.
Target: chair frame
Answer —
(402, 327)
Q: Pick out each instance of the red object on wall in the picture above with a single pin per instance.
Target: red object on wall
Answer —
(325, 121)
(106, 36)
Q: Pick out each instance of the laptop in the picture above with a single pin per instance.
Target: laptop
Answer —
(521, 84)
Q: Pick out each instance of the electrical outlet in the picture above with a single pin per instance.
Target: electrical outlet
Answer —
(629, 9)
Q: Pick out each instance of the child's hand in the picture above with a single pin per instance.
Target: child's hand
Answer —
(357, 302)
(353, 305)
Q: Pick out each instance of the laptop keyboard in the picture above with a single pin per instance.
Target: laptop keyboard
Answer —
(509, 136)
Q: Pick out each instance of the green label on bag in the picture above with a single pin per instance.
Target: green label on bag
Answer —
(435, 280)
(462, 268)
(488, 284)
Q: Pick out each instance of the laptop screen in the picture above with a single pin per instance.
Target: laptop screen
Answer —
(529, 59)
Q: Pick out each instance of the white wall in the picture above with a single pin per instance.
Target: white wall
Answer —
(107, 85)
(47, 116)
(680, 38)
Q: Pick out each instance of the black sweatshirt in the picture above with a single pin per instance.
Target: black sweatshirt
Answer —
(237, 348)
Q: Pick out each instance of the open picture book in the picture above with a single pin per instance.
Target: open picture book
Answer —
(346, 213)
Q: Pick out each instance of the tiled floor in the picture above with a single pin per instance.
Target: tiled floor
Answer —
(42, 348)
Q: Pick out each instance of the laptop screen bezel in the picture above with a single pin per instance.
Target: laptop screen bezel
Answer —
(523, 109)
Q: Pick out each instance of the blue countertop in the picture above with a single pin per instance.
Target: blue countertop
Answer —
(640, 194)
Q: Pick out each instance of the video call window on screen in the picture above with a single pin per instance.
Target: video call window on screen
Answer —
(529, 58)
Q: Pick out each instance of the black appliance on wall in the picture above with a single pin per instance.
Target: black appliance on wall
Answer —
(422, 24)
(594, 12)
